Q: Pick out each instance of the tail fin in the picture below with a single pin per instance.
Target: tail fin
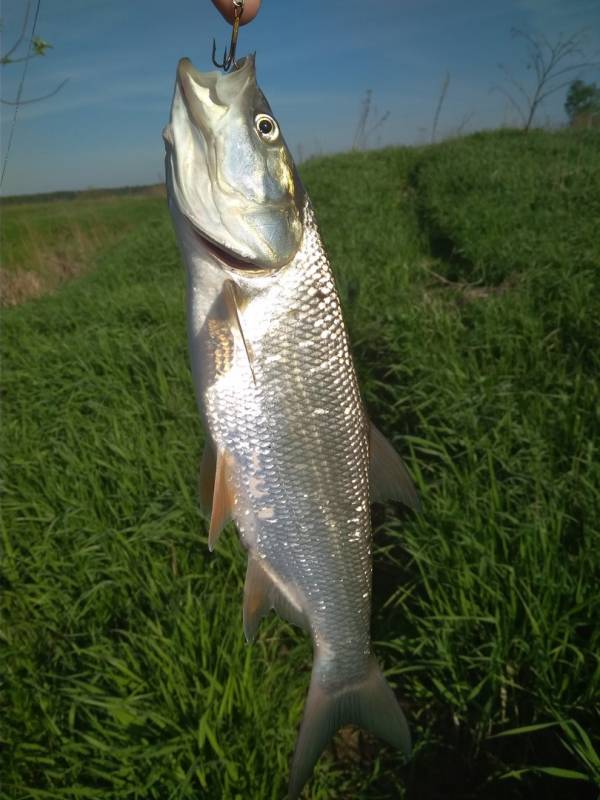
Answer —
(371, 704)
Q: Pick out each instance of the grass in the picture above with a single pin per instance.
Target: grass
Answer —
(45, 242)
(472, 301)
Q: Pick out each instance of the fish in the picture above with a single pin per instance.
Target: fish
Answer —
(290, 455)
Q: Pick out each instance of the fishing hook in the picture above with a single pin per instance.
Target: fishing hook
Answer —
(229, 58)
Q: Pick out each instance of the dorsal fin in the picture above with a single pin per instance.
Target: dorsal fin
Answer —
(222, 501)
(230, 296)
(389, 477)
(261, 594)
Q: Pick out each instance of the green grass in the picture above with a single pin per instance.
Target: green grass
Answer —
(473, 305)
(45, 242)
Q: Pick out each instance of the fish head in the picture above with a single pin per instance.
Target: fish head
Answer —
(229, 171)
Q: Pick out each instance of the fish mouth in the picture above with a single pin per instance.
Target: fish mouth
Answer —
(206, 79)
(226, 257)
(187, 76)
(229, 84)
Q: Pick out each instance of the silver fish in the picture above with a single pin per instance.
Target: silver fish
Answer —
(291, 456)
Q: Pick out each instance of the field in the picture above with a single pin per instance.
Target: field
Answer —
(45, 243)
(470, 278)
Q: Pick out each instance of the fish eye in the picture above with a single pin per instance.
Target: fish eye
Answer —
(266, 127)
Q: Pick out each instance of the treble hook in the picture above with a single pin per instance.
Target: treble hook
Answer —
(229, 58)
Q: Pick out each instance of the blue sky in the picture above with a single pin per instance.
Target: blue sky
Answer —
(315, 60)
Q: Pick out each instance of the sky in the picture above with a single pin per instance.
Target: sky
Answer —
(315, 61)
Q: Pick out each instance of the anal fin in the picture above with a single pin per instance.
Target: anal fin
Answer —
(389, 477)
(261, 594)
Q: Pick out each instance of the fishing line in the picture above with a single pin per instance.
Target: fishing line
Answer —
(20, 92)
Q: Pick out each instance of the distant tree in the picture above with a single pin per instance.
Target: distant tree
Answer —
(550, 63)
(583, 99)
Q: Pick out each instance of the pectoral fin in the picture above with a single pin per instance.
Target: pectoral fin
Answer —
(261, 594)
(233, 305)
(389, 477)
